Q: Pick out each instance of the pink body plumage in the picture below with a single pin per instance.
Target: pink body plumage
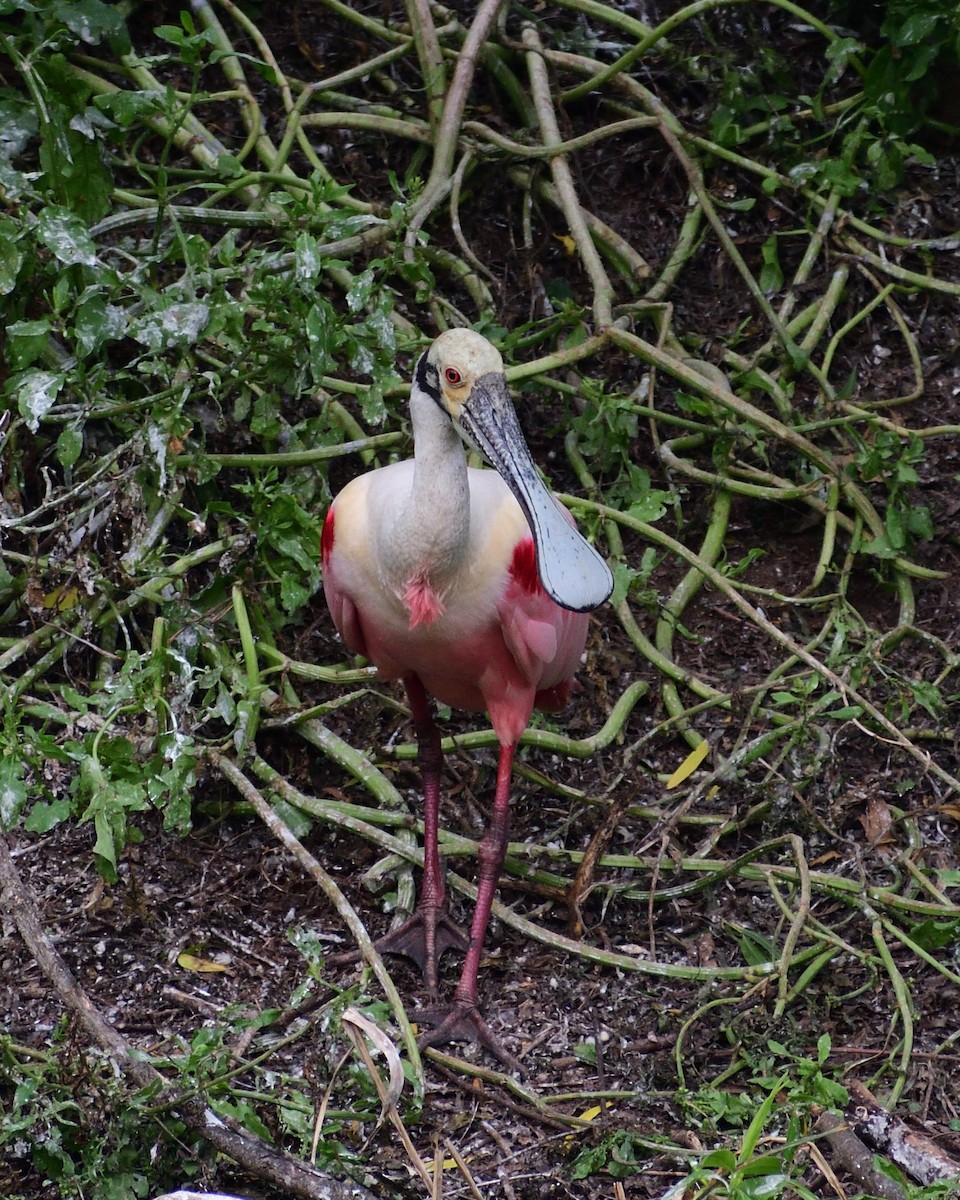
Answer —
(491, 640)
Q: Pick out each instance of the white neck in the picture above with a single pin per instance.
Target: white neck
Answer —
(428, 534)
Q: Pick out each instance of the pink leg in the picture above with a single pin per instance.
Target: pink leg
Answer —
(430, 932)
(433, 892)
(461, 1020)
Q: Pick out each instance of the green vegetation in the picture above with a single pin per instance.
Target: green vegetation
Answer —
(217, 265)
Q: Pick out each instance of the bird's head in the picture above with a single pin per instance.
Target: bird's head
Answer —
(456, 364)
(463, 373)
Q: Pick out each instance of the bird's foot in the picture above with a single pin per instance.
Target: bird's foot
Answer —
(412, 939)
(461, 1021)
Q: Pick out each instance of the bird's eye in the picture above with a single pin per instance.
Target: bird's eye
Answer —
(453, 376)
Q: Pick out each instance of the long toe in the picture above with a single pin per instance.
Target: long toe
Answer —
(412, 939)
(461, 1021)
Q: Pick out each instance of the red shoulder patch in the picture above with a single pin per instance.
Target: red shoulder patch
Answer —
(327, 536)
(523, 567)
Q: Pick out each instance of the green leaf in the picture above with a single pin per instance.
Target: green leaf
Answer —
(97, 322)
(43, 817)
(746, 204)
(586, 1052)
(895, 527)
(798, 356)
(755, 947)
(880, 547)
(27, 341)
(761, 1187)
(697, 406)
(766, 1164)
(590, 1161)
(928, 696)
(849, 712)
(190, 44)
(719, 1160)
(69, 446)
(294, 818)
(917, 28)
(19, 124)
(754, 1131)
(293, 594)
(920, 522)
(649, 508)
(318, 326)
(91, 20)
(840, 53)
(360, 291)
(771, 275)
(36, 393)
(935, 935)
(66, 237)
(230, 167)
(623, 577)
(13, 789)
(11, 255)
(110, 798)
(171, 323)
(245, 1114)
(127, 107)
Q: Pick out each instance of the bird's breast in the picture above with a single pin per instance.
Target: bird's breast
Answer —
(453, 623)
(423, 603)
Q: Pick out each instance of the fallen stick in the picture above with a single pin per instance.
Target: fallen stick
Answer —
(855, 1158)
(921, 1158)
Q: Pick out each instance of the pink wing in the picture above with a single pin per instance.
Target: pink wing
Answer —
(546, 641)
(342, 609)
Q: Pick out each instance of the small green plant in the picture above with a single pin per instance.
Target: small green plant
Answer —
(606, 432)
(83, 1130)
(617, 1155)
(916, 57)
(893, 461)
(745, 1173)
(770, 1113)
(874, 130)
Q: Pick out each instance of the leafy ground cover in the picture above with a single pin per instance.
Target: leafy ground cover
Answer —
(718, 247)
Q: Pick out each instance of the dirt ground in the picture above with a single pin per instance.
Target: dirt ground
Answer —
(228, 892)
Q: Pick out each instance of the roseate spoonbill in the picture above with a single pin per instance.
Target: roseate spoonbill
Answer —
(471, 586)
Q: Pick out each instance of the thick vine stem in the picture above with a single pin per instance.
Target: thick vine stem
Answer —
(546, 740)
(432, 66)
(282, 832)
(671, 614)
(749, 412)
(797, 925)
(628, 262)
(230, 65)
(440, 179)
(763, 622)
(603, 294)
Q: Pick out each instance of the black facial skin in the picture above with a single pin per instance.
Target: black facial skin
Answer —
(428, 380)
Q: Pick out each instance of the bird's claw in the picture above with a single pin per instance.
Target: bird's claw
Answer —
(461, 1021)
